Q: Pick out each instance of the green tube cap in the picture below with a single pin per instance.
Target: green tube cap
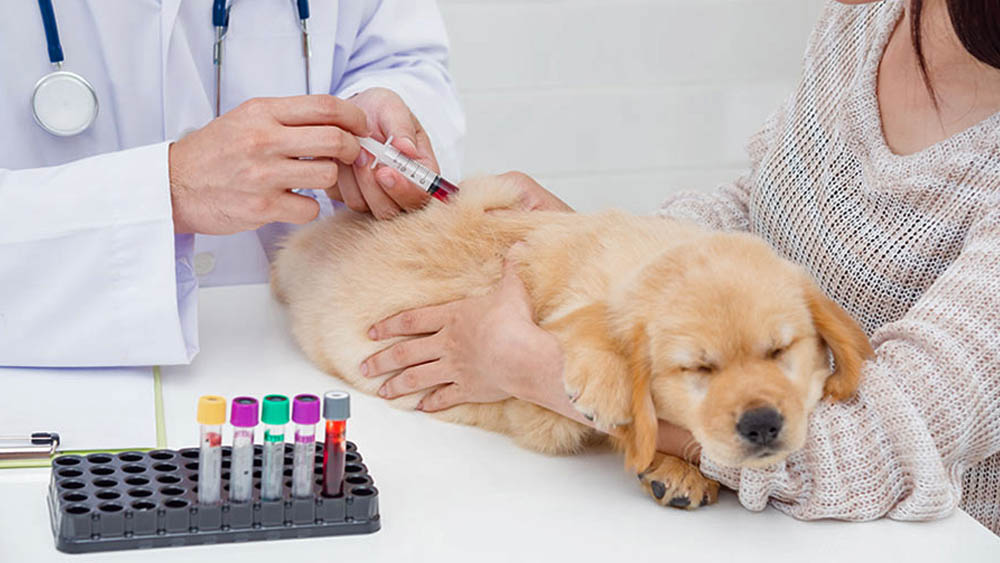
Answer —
(275, 409)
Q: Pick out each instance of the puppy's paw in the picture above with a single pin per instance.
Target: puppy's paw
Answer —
(602, 396)
(674, 482)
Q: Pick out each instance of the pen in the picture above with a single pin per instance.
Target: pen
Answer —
(36, 445)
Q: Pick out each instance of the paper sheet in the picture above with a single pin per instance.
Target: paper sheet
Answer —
(108, 408)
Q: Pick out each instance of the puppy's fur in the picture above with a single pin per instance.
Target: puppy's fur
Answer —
(657, 319)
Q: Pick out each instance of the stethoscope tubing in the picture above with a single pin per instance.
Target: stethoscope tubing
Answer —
(220, 21)
(61, 89)
(51, 31)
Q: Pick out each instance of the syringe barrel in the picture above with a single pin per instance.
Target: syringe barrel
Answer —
(241, 468)
(411, 169)
(210, 464)
(304, 460)
(271, 487)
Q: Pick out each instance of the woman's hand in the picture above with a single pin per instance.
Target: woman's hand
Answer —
(678, 442)
(384, 191)
(533, 196)
(479, 349)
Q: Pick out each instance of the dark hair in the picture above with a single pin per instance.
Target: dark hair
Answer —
(977, 24)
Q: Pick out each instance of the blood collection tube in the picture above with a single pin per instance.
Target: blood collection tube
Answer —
(305, 415)
(275, 417)
(211, 416)
(336, 411)
(243, 417)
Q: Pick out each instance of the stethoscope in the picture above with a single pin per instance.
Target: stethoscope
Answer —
(65, 104)
(220, 20)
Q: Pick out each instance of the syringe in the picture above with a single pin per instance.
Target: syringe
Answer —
(415, 172)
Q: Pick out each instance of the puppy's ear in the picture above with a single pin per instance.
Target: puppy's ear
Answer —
(640, 436)
(847, 342)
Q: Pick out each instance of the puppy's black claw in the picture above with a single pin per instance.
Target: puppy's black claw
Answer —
(659, 489)
(704, 499)
(589, 417)
(680, 502)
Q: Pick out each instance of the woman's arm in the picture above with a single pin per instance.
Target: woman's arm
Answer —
(928, 409)
(485, 349)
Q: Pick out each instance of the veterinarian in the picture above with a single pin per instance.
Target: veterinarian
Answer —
(880, 175)
(121, 192)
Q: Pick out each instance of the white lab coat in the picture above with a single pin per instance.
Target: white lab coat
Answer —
(91, 272)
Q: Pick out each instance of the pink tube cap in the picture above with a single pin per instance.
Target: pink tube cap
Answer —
(305, 409)
(244, 412)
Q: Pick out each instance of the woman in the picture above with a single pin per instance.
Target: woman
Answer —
(880, 175)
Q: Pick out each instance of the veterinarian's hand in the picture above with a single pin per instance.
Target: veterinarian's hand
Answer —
(235, 174)
(479, 349)
(384, 191)
(533, 196)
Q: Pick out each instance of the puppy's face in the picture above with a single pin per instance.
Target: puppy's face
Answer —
(736, 348)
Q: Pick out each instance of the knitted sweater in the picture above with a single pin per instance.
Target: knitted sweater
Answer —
(910, 247)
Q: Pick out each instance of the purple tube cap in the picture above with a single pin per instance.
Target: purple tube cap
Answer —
(245, 412)
(305, 409)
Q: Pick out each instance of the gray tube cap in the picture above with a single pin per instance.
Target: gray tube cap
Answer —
(336, 405)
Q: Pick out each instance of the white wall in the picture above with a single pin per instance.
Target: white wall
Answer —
(617, 102)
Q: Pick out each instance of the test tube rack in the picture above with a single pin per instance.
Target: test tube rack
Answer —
(136, 500)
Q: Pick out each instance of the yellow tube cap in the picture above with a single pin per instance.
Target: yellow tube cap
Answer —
(211, 410)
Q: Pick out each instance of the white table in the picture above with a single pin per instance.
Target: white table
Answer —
(450, 493)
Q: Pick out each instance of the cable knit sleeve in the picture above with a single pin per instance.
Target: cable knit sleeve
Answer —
(925, 412)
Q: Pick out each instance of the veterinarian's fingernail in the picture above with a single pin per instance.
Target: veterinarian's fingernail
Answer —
(372, 333)
(382, 392)
(364, 370)
(387, 181)
(680, 502)
(362, 159)
(408, 145)
(420, 405)
(659, 489)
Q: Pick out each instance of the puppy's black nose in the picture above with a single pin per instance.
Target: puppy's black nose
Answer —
(760, 426)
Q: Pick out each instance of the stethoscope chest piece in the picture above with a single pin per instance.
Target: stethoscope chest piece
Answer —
(64, 103)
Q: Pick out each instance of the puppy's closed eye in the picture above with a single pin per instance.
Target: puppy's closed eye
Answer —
(702, 369)
(775, 353)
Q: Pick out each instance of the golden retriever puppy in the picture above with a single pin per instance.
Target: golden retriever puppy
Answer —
(657, 319)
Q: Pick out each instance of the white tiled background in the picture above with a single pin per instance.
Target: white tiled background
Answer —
(617, 102)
